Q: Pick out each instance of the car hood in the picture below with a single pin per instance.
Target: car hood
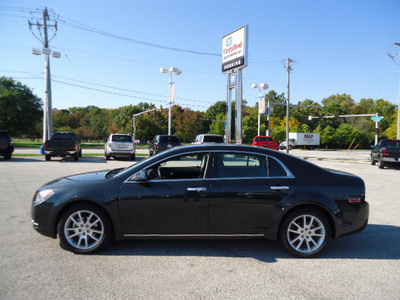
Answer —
(84, 177)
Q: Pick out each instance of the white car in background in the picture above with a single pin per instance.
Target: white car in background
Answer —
(120, 145)
(209, 139)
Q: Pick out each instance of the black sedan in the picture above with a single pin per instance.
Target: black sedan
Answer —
(204, 191)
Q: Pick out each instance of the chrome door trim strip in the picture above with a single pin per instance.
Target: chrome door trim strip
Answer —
(192, 235)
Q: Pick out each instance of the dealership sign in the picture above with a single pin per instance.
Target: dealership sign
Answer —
(234, 50)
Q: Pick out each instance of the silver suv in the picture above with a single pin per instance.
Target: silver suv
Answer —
(208, 139)
(120, 145)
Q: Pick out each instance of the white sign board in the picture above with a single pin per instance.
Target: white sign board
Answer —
(234, 50)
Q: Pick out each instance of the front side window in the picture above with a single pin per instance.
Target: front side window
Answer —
(236, 165)
(188, 166)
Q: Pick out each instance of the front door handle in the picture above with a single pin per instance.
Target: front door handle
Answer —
(279, 188)
(197, 189)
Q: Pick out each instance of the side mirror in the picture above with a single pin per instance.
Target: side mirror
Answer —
(140, 176)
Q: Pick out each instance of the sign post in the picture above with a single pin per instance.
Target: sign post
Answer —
(234, 59)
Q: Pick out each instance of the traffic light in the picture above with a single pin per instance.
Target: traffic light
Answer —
(377, 130)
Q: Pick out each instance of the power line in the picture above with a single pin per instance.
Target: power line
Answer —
(88, 28)
(118, 94)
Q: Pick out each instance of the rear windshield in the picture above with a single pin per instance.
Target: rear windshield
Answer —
(4, 134)
(169, 139)
(264, 139)
(122, 138)
(213, 139)
(64, 136)
(393, 144)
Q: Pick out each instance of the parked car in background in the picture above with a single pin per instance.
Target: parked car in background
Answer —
(63, 144)
(204, 191)
(6, 145)
(209, 139)
(163, 142)
(266, 142)
(385, 153)
(292, 144)
(120, 145)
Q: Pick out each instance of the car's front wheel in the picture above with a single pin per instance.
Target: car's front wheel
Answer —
(305, 233)
(84, 229)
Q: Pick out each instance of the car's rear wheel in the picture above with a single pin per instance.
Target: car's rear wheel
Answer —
(84, 229)
(76, 156)
(48, 157)
(381, 164)
(305, 233)
(373, 161)
(133, 156)
(7, 156)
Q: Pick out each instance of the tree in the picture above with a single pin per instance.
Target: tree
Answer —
(327, 136)
(20, 109)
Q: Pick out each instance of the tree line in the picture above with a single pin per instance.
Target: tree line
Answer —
(21, 114)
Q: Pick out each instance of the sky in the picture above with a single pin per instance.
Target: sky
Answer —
(112, 51)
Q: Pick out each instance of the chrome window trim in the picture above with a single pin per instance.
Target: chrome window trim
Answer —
(289, 174)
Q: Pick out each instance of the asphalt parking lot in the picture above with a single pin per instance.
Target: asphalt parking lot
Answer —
(362, 266)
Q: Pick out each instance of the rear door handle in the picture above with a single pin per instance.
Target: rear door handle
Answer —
(197, 189)
(279, 188)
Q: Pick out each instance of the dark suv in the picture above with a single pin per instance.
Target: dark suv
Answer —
(163, 142)
(6, 145)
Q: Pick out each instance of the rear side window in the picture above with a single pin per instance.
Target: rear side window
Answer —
(213, 139)
(122, 138)
(234, 165)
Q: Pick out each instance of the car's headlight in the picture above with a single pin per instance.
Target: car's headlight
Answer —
(43, 196)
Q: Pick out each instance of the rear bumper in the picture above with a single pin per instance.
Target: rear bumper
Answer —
(390, 159)
(354, 220)
(60, 153)
(8, 150)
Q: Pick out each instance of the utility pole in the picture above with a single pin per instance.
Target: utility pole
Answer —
(398, 107)
(288, 69)
(44, 39)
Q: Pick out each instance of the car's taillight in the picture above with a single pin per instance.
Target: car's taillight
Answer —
(354, 200)
(45, 146)
(384, 152)
(158, 145)
(76, 147)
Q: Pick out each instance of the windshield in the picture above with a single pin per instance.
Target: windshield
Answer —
(64, 136)
(169, 139)
(393, 144)
(264, 139)
(213, 139)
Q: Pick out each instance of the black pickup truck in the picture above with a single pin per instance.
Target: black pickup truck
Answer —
(6, 145)
(385, 153)
(63, 144)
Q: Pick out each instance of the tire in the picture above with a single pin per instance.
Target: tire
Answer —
(381, 164)
(84, 229)
(373, 161)
(80, 153)
(48, 157)
(150, 153)
(108, 157)
(305, 233)
(7, 156)
(76, 156)
(133, 156)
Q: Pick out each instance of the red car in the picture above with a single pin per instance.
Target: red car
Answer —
(265, 141)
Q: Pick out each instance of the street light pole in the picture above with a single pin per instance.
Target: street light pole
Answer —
(261, 86)
(176, 71)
